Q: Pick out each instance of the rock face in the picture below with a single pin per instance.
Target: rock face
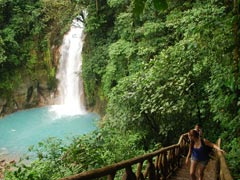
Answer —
(30, 93)
(33, 90)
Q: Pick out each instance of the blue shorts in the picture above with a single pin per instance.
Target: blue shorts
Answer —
(203, 162)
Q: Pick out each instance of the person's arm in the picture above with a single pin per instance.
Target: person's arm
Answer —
(208, 143)
(189, 154)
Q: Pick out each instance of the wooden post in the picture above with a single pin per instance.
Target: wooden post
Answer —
(129, 175)
(139, 173)
(111, 176)
(151, 169)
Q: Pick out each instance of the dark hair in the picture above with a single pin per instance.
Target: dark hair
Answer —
(194, 133)
(198, 125)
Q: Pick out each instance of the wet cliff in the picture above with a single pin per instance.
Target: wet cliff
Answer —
(30, 36)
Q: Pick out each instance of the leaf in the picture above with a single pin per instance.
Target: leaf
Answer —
(160, 4)
(138, 6)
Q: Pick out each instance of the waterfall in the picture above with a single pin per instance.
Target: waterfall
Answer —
(70, 88)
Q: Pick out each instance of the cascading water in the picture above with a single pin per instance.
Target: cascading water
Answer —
(69, 73)
(22, 129)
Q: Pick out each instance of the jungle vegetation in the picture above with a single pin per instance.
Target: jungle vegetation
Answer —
(157, 67)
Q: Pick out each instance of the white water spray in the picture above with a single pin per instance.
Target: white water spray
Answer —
(70, 86)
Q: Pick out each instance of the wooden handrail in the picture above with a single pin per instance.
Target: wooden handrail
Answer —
(223, 172)
(167, 159)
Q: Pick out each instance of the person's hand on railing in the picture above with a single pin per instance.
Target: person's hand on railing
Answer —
(215, 146)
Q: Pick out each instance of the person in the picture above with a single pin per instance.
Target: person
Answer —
(198, 128)
(198, 154)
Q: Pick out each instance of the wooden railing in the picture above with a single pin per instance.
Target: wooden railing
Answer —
(166, 161)
(223, 172)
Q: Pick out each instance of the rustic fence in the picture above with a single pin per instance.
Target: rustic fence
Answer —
(159, 164)
(223, 172)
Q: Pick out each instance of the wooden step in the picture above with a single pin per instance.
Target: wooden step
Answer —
(183, 172)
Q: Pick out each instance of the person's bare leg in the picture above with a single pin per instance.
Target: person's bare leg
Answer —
(201, 171)
(193, 167)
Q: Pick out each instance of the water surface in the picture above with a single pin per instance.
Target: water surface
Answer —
(22, 129)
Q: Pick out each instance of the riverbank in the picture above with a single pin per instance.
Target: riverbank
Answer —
(6, 161)
(5, 165)
(2, 169)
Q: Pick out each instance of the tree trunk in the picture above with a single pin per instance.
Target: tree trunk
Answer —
(97, 6)
(236, 54)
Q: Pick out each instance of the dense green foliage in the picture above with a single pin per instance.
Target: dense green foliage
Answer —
(27, 32)
(161, 66)
(163, 71)
(54, 160)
